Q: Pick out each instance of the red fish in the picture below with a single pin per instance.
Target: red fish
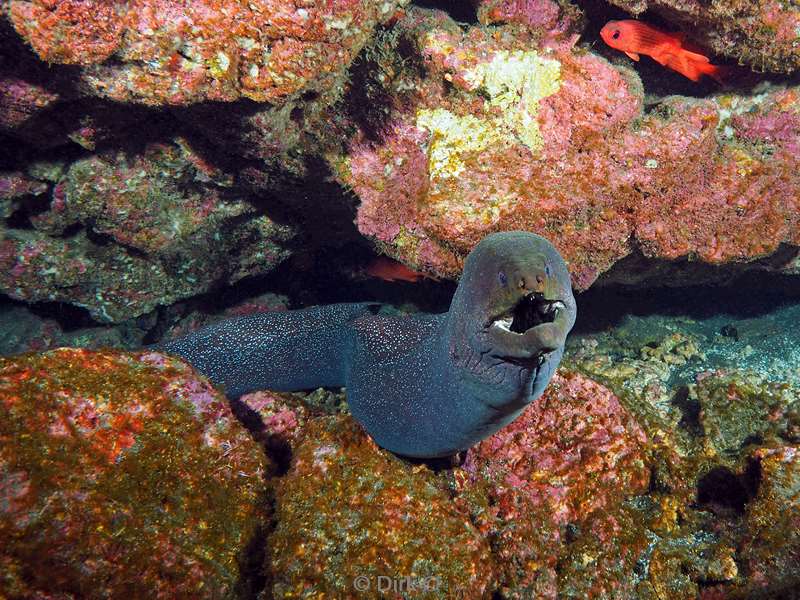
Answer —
(668, 48)
(391, 270)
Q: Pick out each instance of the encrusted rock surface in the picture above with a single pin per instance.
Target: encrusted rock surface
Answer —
(587, 495)
(166, 52)
(498, 134)
(348, 513)
(556, 480)
(124, 234)
(570, 461)
(122, 475)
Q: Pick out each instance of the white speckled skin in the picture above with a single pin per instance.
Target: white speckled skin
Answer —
(421, 385)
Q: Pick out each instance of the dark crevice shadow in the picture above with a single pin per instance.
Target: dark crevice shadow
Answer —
(369, 99)
(690, 412)
(728, 291)
(322, 277)
(29, 207)
(726, 493)
(462, 11)
(252, 579)
(69, 318)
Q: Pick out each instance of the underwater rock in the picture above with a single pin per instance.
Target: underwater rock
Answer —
(21, 102)
(125, 233)
(720, 513)
(15, 188)
(492, 134)
(351, 517)
(277, 421)
(21, 330)
(556, 21)
(548, 490)
(738, 409)
(123, 475)
(579, 434)
(762, 34)
(165, 52)
(771, 546)
(567, 463)
(643, 372)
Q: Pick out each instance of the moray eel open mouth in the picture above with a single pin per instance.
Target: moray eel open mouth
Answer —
(527, 331)
(531, 310)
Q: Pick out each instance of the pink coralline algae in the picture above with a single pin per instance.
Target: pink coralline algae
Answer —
(280, 424)
(503, 137)
(15, 187)
(121, 475)
(20, 100)
(555, 21)
(571, 453)
(157, 215)
(168, 52)
(136, 200)
(571, 459)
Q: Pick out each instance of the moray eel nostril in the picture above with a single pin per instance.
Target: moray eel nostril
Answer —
(421, 385)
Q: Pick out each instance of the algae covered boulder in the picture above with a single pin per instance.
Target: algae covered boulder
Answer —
(163, 52)
(492, 130)
(550, 490)
(355, 521)
(122, 233)
(122, 475)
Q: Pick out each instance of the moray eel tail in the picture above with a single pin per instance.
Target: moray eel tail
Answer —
(279, 351)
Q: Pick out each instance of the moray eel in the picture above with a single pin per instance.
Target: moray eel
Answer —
(422, 385)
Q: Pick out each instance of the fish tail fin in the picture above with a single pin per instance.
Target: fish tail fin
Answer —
(694, 56)
(716, 72)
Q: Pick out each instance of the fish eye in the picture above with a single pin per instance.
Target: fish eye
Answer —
(547, 269)
(501, 277)
(615, 35)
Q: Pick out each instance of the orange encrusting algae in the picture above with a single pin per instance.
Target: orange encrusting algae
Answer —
(115, 463)
(667, 48)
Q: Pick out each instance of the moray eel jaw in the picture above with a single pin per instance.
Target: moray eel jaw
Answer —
(531, 328)
(514, 303)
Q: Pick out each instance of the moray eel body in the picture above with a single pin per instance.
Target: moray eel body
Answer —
(422, 385)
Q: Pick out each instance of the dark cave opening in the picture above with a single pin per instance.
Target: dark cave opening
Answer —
(463, 11)
(723, 491)
(690, 410)
(30, 206)
(605, 306)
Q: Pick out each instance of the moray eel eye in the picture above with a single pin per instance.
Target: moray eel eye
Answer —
(531, 310)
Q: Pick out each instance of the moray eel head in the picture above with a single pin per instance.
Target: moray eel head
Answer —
(521, 297)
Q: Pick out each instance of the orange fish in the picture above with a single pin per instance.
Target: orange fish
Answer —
(391, 270)
(635, 38)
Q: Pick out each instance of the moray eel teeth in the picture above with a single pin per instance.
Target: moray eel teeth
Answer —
(532, 309)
